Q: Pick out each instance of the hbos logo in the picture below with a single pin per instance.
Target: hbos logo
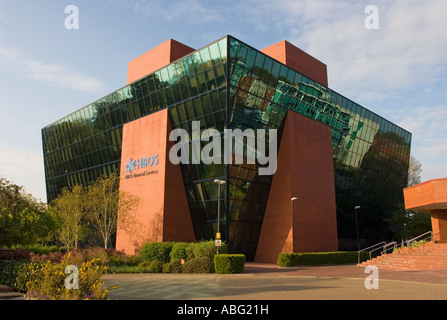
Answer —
(141, 163)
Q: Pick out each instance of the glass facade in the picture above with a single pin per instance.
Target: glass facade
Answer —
(228, 84)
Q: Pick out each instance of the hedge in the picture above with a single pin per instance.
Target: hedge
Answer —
(198, 256)
(319, 258)
(178, 251)
(229, 263)
(156, 251)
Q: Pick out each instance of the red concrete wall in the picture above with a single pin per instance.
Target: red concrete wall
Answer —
(298, 60)
(164, 212)
(305, 170)
(155, 59)
(426, 196)
(430, 197)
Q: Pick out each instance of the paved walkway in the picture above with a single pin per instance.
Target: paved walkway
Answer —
(268, 282)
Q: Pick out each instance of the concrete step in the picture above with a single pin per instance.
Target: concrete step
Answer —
(430, 256)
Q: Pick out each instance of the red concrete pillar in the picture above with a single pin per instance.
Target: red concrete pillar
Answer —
(305, 170)
(439, 223)
(164, 212)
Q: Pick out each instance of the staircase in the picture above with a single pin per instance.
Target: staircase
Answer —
(429, 256)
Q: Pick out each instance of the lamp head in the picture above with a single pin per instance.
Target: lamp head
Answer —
(219, 181)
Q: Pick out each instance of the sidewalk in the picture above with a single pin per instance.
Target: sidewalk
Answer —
(269, 282)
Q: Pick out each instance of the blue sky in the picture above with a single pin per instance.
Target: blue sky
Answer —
(46, 71)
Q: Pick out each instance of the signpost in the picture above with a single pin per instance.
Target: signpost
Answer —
(218, 241)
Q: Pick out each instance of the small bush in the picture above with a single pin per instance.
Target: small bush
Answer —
(54, 257)
(156, 251)
(175, 266)
(19, 254)
(40, 249)
(22, 273)
(47, 282)
(129, 260)
(179, 250)
(229, 263)
(199, 265)
(207, 249)
(152, 266)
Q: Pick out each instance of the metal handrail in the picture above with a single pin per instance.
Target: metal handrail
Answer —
(420, 236)
(431, 236)
(383, 247)
(370, 247)
(394, 244)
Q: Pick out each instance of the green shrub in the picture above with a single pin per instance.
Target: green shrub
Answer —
(229, 263)
(319, 258)
(175, 266)
(199, 265)
(179, 250)
(207, 249)
(21, 274)
(152, 266)
(40, 249)
(156, 251)
(129, 260)
(198, 256)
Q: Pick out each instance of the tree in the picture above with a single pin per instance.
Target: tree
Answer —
(104, 201)
(405, 223)
(23, 219)
(414, 172)
(71, 210)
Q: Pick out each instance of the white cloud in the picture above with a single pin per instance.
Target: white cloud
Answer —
(19, 63)
(429, 141)
(434, 171)
(24, 168)
(423, 122)
(190, 11)
(409, 46)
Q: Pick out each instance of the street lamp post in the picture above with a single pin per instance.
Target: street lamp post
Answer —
(218, 182)
(357, 232)
(293, 229)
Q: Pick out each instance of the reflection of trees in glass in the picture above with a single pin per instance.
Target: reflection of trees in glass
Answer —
(314, 102)
(378, 184)
(376, 181)
(407, 224)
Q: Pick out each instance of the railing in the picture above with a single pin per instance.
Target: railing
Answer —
(392, 245)
(11, 261)
(410, 242)
(428, 237)
(374, 247)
